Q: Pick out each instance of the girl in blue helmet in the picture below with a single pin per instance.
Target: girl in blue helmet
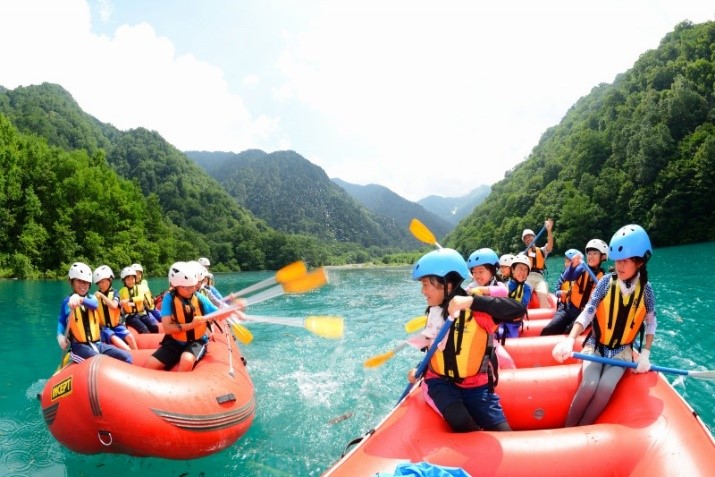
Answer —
(621, 310)
(581, 286)
(461, 375)
(483, 265)
(563, 287)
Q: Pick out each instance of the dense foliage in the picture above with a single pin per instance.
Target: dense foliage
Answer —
(105, 196)
(641, 150)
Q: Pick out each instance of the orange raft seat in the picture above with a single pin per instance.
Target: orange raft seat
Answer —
(534, 303)
(104, 405)
(647, 429)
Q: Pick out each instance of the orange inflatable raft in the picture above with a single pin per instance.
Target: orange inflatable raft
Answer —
(104, 405)
(647, 429)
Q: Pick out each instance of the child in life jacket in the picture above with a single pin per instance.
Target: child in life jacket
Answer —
(149, 302)
(78, 323)
(461, 375)
(581, 285)
(185, 319)
(518, 290)
(110, 315)
(563, 287)
(483, 265)
(621, 310)
(132, 298)
(505, 267)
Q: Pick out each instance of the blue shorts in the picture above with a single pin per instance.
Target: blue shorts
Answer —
(82, 351)
(482, 405)
(121, 331)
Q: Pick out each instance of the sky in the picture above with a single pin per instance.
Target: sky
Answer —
(423, 97)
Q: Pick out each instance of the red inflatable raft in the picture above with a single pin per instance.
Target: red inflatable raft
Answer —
(647, 429)
(107, 405)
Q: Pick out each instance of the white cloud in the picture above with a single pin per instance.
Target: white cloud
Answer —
(132, 79)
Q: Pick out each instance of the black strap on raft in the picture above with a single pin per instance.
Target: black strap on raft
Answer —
(357, 440)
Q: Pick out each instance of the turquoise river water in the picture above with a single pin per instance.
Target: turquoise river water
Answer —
(304, 382)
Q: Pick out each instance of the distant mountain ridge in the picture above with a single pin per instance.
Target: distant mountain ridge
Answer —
(294, 195)
(383, 201)
(454, 209)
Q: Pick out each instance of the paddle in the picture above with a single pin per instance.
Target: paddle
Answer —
(380, 359)
(533, 242)
(330, 327)
(416, 324)
(710, 374)
(307, 282)
(240, 332)
(422, 233)
(422, 367)
(286, 274)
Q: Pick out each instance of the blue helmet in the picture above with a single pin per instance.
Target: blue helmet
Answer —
(630, 241)
(483, 256)
(440, 262)
(571, 253)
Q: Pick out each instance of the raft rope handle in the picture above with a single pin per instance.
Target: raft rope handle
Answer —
(109, 434)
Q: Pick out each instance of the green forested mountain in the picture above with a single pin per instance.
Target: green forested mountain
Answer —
(293, 195)
(640, 150)
(73, 188)
(385, 203)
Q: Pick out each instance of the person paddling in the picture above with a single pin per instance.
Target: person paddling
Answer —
(622, 310)
(461, 374)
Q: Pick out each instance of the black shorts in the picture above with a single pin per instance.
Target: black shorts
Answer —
(170, 350)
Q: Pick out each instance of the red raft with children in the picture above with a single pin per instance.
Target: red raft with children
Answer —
(662, 435)
(104, 405)
(463, 414)
(182, 394)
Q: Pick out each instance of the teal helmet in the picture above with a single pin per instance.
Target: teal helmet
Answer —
(483, 256)
(630, 241)
(571, 253)
(440, 262)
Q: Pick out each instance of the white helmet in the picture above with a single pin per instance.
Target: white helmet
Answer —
(199, 269)
(103, 272)
(506, 259)
(598, 244)
(182, 274)
(205, 262)
(137, 267)
(527, 232)
(128, 272)
(80, 271)
(521, 258)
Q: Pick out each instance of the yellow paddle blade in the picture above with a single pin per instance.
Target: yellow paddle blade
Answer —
(241, 333)
(310, 281)
(380, 359)
(416, 324)
(291, 272)
(330, 327)
(422, 233)
(65, 360)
